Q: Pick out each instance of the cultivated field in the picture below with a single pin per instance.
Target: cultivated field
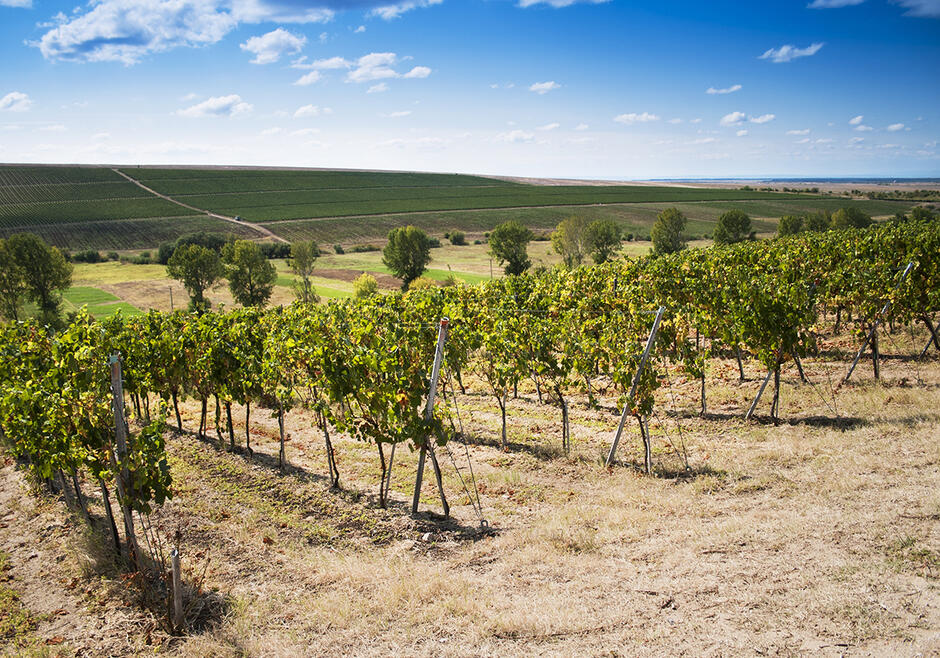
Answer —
(820, 536)
(97, 208)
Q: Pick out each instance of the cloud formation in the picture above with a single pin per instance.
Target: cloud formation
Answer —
(311, 111)
(558, 4)
(542, 88)
(269, 47)
(726, 90)
(633, 117)
(804, 131)
(217, 106)
(733, 119)
(393, 11)
(854, 121)
(764, 118)
(788, 53)
(376, 66)
(833, 4)
(922, 8)
(515, 137)
(15, 101)
(308, 79)
(894, 127)
(24, 4)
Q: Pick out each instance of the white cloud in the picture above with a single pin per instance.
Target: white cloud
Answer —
(396, 115)
(633, 117)
(304, 132)
(378, 66)
(894, 127)
(128, 30)
(311, 111)
(764, 118)
(923, 8)
(824, 140)
(15, 101)
(805, 140)
(788, 53)
(804, 131)
(558, 4)
(515, 137)
(703, 140)
(267, 132)
(377, 89)
(53, 128)
(888, 146)
(726, 90)
(733, 119)
(544, 87)
(308, 79)
(24, 4)
(856, 140)
(862, 128)
(741, 133)
(856, 120)
(418, 72)
(323, 37)
(217, 106)
(269, 47)
(581, 126)
(360, 29)
(696, 120)
(833, 4)
(549, 126)
(675, 121)
(389, 12)
(321, 64)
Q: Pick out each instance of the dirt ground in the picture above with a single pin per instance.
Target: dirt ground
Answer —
(817, 536)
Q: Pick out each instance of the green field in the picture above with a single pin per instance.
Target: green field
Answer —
(265, 196)
(96, 208)
(99, 303)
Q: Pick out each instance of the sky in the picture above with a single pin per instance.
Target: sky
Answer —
(542, 88)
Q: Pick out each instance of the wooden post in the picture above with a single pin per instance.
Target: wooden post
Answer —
(875, 357)
(647, 445)
(428, 414)
(636, 382)
(120, 436)
(750, 411)
(874, 328)
(740, 365)
(178, 619)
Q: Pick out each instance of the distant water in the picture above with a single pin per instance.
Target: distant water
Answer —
(808, 179)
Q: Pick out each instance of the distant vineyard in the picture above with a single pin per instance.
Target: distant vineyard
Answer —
(271, 196)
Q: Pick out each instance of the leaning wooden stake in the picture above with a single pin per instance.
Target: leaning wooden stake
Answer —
(874, 329)
(123, 477)
(428, 445)
(753, 407)
(628, 405)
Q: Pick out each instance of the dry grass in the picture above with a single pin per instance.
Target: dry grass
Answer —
(817, 536)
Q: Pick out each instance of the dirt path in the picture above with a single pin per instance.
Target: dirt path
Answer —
(260, 229)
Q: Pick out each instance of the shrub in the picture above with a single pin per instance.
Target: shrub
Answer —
(365, 286)
(113, 255)
(457, 238)
(87, 256)
(338, 248)
(363, 248)
(422, 283)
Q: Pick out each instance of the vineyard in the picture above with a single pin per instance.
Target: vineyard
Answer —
(362, 370)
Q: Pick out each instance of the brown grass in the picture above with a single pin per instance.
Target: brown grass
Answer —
(817, 536)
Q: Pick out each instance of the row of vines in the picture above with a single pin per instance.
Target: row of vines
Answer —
(362, 367)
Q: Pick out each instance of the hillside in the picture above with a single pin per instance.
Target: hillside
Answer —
(136, 208)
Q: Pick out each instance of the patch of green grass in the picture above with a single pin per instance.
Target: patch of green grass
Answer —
(100, 304)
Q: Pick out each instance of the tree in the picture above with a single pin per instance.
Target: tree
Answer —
(45, 272)
(667, 232)
(789, 225)
(922, 214)
(197, 268)
(12, 284)
(604, 238)
(303, 257)
(365, 286)
(570, 240)
(850, 217)
(407, 253)
(457, 238)
(817, 221)
(508, 243)
(251, 275)
(733, 226)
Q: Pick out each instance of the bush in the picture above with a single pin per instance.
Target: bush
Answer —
(87, 256)
(338, 248)
(113, 255)
(434, 243)
(478, 242)
(362, 248)
(629, 237)
(275, 250)
(457, 238)
(422, 283)
(365, 286)
(165, 253)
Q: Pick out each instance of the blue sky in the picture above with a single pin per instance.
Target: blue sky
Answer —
(523, 87)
